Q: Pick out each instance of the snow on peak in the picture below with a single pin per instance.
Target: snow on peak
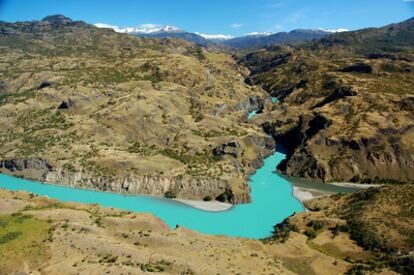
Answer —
(334, 31)
(143, 28)
(258, 34)
(215, 36)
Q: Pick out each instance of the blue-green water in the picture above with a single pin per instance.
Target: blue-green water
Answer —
(272, 201)
(251, 114)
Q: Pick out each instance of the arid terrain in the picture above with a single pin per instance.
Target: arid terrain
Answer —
(43, 236)
(91, 108)
(346, 109)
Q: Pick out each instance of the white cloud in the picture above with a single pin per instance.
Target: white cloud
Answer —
(412, 1)
(215, 36)
(335, 30)
(236, 25)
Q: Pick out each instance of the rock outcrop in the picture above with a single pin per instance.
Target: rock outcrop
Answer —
(352, 122)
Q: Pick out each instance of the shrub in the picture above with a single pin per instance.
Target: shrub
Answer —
(282, 230)
(316, 224)
(310, 233)
(170, 194)
(3, 223)
(10, 236)
(207, 198)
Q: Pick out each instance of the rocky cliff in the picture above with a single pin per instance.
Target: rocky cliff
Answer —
(345, 111)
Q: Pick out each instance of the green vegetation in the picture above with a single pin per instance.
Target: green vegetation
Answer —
(9, 236)
(21, 239)
(170, 194)
(282, 231)
(207, 198)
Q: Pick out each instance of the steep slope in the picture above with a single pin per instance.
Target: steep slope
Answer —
(93, 108)
(380, 220)
(346, 110)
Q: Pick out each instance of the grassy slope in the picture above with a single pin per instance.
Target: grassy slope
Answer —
(138, 107)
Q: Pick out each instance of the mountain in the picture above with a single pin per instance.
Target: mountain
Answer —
(253, 40)
(346, 111)
(391, 39)
(264, 40)
(157, 31)
(188, 36)
(92, 108)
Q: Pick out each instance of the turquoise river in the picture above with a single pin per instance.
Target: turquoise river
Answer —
(272, 202)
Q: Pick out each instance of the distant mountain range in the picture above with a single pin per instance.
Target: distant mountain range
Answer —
(264, 40)
(253, 40)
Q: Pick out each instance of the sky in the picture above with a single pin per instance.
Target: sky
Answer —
(231, 17)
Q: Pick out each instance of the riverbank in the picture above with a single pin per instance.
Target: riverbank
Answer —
(305, 190)
(306, 194)
(211, 206)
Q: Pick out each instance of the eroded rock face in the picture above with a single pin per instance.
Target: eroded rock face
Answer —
(183, 187)
(231, 148)
(337, 123)
(189, 188)
(322, 149)
(20, 164)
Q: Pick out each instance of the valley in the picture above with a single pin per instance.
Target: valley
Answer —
(109, 142)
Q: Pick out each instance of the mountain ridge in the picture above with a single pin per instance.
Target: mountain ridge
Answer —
(346, 104)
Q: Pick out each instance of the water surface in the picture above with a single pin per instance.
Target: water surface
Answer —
(272, 202)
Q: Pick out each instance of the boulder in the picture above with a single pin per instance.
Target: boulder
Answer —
(230, 148)
(66, 104)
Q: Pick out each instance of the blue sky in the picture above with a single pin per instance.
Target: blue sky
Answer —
(234, 17)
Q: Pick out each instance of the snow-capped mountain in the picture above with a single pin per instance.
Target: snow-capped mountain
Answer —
(250, 40)
(140, 29)
(260, 40)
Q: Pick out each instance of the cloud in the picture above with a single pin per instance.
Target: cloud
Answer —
(236, 25)
(409, 1)
(215, 36)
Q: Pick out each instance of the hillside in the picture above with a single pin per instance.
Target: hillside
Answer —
(371, 229)
(346, 110)
(47, 236)
(92, 108)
